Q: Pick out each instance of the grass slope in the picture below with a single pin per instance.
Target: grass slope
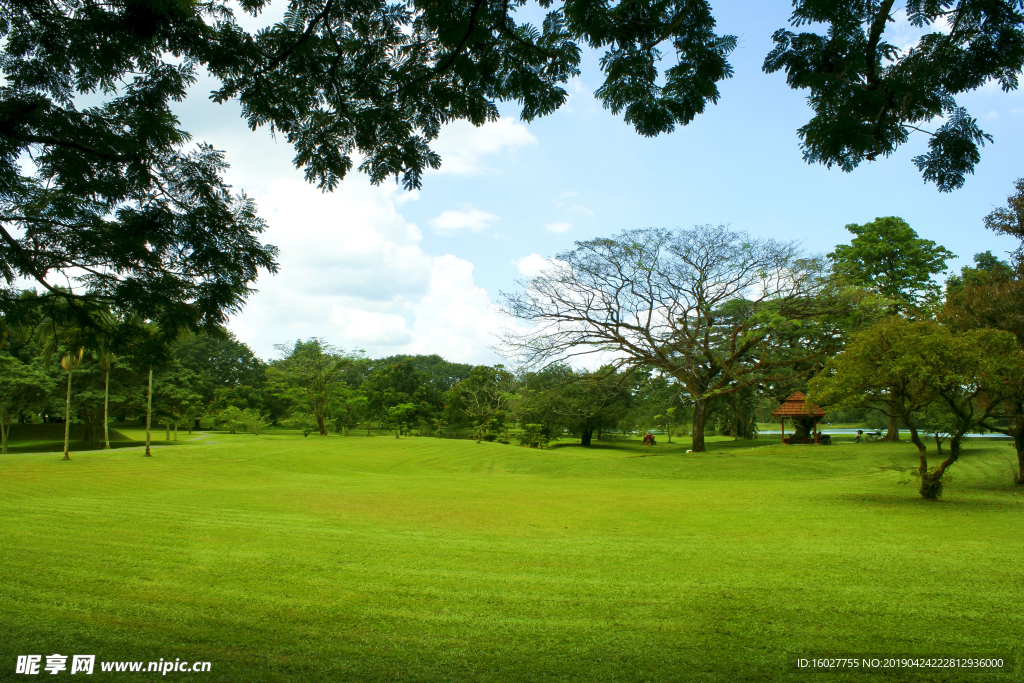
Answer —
(282, 558)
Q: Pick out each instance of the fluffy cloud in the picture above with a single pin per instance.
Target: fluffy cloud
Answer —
(462, 145)
(353, 271)
(558, 227)
(534, 264)
(451, 222)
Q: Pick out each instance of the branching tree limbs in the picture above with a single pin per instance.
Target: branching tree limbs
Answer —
(913, 365)
(715, 309)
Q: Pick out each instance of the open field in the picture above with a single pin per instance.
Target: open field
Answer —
(282, 558)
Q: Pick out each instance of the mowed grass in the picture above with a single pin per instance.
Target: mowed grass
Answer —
(283, 558)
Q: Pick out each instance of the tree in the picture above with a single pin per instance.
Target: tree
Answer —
(559, 398)
(1009, 220)
(21, 387)
(913, 365)
(868, 95)
(230, 416)
(142, 225)
(220, 361)
(483, 397)
(106, 360)
(176, 395)
(254, 422)
(153, 226)
(393, 384)
(349, 408)
(887, 257)
(401, 416)
(715, 309)
(311, 371)
(990, 295)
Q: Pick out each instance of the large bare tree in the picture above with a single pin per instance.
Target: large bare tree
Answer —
(714, 308)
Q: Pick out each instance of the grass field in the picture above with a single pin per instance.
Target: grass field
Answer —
(282, 558)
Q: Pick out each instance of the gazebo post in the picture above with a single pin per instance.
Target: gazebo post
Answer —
(815, 431)
(783, 423)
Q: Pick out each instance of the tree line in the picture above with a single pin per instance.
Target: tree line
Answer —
(691, 331)
(318, 388)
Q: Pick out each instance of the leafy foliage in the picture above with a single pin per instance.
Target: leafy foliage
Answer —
(886, 256)
(869, 95)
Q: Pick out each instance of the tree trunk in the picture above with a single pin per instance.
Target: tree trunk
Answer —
(320, 425)
(149, 411)
(700, 408)
(921, 448)
(106, 411)
(931, 484)
(585, 435)
(5, 431)
(894, 426)
(938, 444)
(1018, 443)
(67, 419)
(175, 430)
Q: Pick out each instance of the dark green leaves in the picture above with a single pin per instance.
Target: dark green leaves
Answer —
(869, 96)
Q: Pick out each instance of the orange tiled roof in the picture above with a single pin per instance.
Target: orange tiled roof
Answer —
(796, 406)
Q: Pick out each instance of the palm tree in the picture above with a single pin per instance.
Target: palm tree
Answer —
(68, 363)
(105, 359)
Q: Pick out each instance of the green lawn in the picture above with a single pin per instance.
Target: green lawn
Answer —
(283, 558)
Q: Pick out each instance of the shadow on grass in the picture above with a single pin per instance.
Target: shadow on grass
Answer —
(909, 498)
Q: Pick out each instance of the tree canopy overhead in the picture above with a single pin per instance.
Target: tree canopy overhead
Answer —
(104, 203)
(869, 95)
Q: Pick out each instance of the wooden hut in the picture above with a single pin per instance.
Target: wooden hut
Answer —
(805, 417)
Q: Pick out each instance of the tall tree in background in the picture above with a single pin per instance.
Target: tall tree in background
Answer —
(886, 257)
(716, 309)
(401, 383)
(1009, 220)
(869, 95)
(219, 361)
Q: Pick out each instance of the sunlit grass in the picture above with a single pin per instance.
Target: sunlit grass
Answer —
(283, 558)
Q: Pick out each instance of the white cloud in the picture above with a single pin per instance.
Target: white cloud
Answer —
(353, 272)
(558, 227)
(462, 145)
(456, 318)
(451, 222)
(534, 264)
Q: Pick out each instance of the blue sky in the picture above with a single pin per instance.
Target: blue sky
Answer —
(393, 272)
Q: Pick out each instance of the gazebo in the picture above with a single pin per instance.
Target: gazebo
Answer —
(805, 417)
